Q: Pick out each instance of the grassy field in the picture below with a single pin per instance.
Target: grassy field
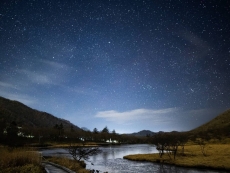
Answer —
(217, 157)
(26, 160)
(19, 161)
(73, 165)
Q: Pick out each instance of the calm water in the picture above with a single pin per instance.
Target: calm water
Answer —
(111, 160)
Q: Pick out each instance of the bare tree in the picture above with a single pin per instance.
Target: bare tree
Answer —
(166, 142)
(160, 140)
(202, 143)
(182, 139)
(78, 152)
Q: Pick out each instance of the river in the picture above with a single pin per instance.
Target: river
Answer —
(111, 160)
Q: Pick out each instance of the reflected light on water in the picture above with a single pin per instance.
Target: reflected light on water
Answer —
(111, 160)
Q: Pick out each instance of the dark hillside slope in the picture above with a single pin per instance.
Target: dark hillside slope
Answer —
(25, 116)
(143, 133)
(217, 126)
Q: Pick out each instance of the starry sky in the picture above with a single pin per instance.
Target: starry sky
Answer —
(130, 65)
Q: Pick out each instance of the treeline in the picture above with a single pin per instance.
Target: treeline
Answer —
(12, 134)
(169, 142)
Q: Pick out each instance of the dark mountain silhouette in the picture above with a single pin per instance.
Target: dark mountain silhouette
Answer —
(27, 117)
(216, 128)
(85, 129)
(143, 133)
(220, 125)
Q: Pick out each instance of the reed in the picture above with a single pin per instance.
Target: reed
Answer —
(14, 160)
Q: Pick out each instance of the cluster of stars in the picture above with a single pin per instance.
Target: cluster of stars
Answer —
(102, 55)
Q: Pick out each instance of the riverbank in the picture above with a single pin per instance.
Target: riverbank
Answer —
(217, 157)
(66, 145)
(77, 166)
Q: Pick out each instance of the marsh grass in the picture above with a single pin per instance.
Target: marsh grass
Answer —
(77, 166)
(217, 157)
(19, 160)
(24, 169)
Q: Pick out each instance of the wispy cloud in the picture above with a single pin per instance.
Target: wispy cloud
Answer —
(157, 119)
(19, 97)
(49, 72)
(37, 77)
(55, 65)
(133, 115)
(7, 85)
(13, 91)
(201, 46)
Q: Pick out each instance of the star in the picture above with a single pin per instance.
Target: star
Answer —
(146, 60)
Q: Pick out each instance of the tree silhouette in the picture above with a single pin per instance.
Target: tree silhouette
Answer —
(78, 152)
(12, 129)
(95, 131)
(60, 129)
(105, 130)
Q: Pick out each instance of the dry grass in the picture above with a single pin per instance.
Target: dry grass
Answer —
(70, 164)
(66, 145)
(218, 157)
(19, 160)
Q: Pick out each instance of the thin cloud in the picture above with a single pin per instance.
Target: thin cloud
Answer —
(19, 97)
(201, 46)
(51, 73)
(133, 115)
(7, 85)
(37, 77)
(56, 65)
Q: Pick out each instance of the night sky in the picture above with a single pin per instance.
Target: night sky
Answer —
(130, 65)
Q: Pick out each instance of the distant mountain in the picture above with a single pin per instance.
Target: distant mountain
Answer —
(28, 117)
(143, 133)
(218, 126)
(85, 129)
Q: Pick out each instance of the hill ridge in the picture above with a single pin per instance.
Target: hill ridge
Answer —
(220, 124)
(23, 115)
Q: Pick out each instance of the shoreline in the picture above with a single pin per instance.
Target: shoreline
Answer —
(218, 158)
(53, 146)
(178, 165)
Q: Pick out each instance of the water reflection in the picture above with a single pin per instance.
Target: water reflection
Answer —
(114, 152)
(111, 160)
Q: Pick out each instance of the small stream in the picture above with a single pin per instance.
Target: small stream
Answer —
(111, 160)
